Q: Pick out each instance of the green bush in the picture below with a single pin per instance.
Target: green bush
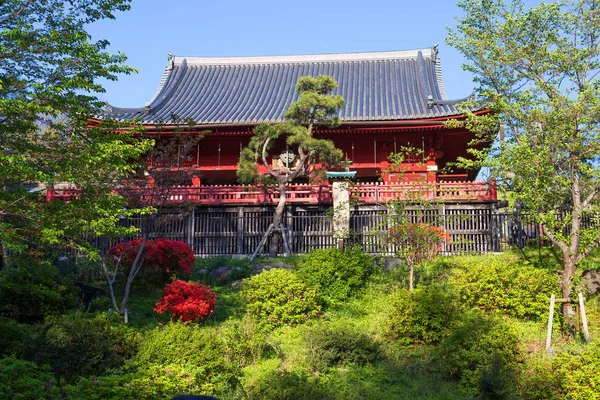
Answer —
(12, 336)
(479, 344)
(331, 343)
(24, 380)
(424, 316)
(337, 274)
(149, 382)
(72, 346)
(245, 344)
(503, 283)
(124, 339)
(286, 385)
(189, 345)
(571, 374)
(278, 297)
(32, 290)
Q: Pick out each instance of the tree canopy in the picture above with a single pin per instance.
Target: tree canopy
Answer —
(538, 70)
(315, 107)
(50, 71)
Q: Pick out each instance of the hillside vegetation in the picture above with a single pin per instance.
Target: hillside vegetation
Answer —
(336, 326)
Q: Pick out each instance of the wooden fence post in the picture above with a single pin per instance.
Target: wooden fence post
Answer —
(240, 231)
(190, 232)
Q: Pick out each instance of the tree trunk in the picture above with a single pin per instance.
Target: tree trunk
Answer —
(411, 278)
(277, 218)
(566, 284)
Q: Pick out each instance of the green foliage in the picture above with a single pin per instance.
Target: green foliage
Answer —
(124, 339)
(480, 344)
(245, 343)
(48, 85)
(426, 316)
(148, 382)
(24, 380)
(12, 337)
(332, 343)
(189, 345)
(503, 283)
(537, 71)
(570, 374)
(32, 290)
(73, 346)
(337, 274)
(278, 297)
(241, 268)
(286, 385)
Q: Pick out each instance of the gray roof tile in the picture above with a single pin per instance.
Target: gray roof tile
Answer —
(376, 86)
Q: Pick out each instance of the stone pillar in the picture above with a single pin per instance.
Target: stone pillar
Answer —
(341, 211)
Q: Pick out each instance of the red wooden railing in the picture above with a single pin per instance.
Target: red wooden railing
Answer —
(369, 193)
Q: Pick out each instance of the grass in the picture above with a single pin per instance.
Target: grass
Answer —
(400, 371)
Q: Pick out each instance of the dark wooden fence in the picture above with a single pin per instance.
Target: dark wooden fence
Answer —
(221, 233)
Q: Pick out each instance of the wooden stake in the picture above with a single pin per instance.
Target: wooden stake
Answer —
(586, 332)
(550, 316)
(262, 242)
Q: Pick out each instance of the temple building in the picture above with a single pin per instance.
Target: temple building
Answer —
(394, 100)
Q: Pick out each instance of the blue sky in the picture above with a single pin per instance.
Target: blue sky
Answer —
(267, 27)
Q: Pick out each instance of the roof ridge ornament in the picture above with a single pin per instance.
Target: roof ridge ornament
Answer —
(171, 59)
(434, 52)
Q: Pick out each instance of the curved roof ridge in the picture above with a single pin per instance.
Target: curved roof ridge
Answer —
(308, 58)
(163, 80)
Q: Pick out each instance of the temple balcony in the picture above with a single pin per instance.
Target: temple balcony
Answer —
(362, 193)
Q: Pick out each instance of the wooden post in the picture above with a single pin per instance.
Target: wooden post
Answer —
(262, 242)
(240, 230)
(285, 240)
(586, 332)
(550, 316)
(191, 230)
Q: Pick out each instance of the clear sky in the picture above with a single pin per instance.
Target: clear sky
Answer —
(267, 27)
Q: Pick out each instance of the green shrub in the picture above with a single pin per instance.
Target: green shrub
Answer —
(32, 290)
(124, 338)
(149, 382)
(337, 274)
(331, 343)
(12, 336)
(472, 348)
(278, 297)
(24, 380)
(286, 385)
(72, 346)
(571, 374)
(503, 283)
(245, 344)
(189, 345)
(425, 316)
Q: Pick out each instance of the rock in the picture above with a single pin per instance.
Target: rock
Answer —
(221, 274)
(591, 281)
(237, 283)
(200, 273)
(258, 268)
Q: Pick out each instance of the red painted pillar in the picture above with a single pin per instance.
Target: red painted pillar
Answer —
(385, 173)
(50, 192)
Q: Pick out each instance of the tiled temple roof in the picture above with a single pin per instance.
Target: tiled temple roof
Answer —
(376, 86)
